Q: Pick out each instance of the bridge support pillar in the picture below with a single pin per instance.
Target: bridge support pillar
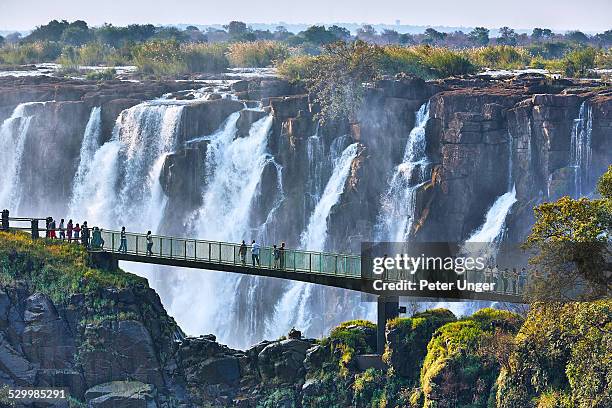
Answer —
(35, 231)
(388, 308)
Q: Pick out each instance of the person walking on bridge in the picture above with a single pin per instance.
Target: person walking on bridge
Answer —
(149, 244)
(123, 245)
(243, 252)
(255, 248)
(52, 227)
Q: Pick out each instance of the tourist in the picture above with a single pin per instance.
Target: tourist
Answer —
(69, 230)
(123, 245)
(52, 226)
(255, 247)
(487, 274)
(149, 244)
(515, 278)
(77, 232)
(495, 275)
(276, 256)
(243, 252)
(522, 279)
(282, 255)
(96, 239)
(504, 275)
(85, 234)
(62, 230)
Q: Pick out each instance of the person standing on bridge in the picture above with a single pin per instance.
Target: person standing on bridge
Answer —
(62, 230)
(85, 235)
(69, 229)
(242, 252)
(123, 245)
(276, 256)
(77, 232)
(282, 255)
(255, 247)
(149, 244)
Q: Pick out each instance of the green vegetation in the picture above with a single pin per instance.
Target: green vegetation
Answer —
(257, 53)
(571, 242)
(561, 358)
(55, 268)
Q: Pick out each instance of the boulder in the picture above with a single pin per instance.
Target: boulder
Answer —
(283, 361)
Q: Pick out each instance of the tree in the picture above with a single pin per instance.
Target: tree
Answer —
(572, 242)
(366, 33)
(76, 36)
(52, 31)
(337, 76)
(507, 36)
(1, 41)
(577, 36)
(541, 33)
(340, 33)
(317, 34)
(390, 36)
(479, 36)
(407, 39)
(577, 63)
(433, 36)
(238, 31)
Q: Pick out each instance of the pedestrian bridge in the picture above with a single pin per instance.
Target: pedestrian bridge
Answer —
(323, 268)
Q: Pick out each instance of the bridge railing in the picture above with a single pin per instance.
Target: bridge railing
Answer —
(229, 253)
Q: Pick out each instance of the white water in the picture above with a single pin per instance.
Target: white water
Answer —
(580, 150)
(313, 239)
(119, 184)
(398, 204)
(13, 134)
(206, 302)
(493, 226)
(293, 308)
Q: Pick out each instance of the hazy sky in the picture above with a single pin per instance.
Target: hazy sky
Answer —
(588, 15)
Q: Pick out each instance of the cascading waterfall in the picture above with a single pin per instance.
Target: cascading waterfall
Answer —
(313, 239)
(120, 184)
(580, 150)
(398, 204)
(292, 309)
(315, 149)
(89, 148)
(493, 226)
(206, 302)
(13, 135)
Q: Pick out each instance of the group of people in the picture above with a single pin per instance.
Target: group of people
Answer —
(71, 232)
(278, 254)
(506, 280)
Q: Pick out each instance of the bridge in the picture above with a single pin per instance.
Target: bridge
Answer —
(323, 268)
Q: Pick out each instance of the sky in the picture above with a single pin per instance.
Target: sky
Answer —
(561, 15)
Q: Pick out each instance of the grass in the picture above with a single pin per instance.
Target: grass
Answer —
(257, 53)
(55, 268)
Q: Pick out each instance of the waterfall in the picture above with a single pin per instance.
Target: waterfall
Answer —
(315, 150)
(89, 147)
(119, 184)
(206, 302)
(493, 226)
(13, 134)
(293, 309)
(398, 204)
(313, 239)
(580, 149)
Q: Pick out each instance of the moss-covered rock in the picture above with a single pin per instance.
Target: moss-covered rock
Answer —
(458, 370)
(562, 358)
(407, 340)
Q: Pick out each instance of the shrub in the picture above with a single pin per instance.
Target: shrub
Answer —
(105, 75)
(500, 57)
(444, 62)
(397, 59)
(202, 57)
(296, 68)
(577, 63)
(30, 53)
(257, 53)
